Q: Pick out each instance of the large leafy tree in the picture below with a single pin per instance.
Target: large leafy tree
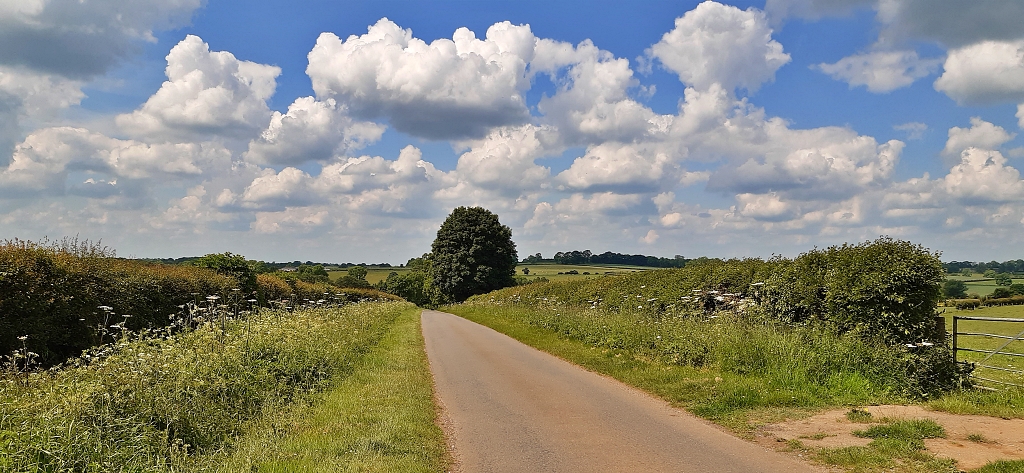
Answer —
(472, 254)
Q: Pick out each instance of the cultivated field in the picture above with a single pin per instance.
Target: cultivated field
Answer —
(980, 285)
(375, 274)
(991, 343)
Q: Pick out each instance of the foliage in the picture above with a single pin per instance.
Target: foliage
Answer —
(66, 296)
(472, 254)
(413, 286)
(608, 257)
(358, 272)
(1017, 289)
(232, 265)
(160, 403)
(881, 292)
(968, 268)
(953, 289)
(1000, 293)
(1003, 279)
(962, 304)
(312, 273)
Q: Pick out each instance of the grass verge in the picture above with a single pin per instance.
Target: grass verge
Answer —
(180, 402)
(378, 419)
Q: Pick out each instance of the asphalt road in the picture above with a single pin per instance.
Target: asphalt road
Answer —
(512, 408)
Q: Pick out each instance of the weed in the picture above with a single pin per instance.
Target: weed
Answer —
(1002, 466)
(977, 438)
(818, 436)
(904, 430)
(859, 416)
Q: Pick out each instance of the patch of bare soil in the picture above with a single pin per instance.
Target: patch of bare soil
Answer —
(972, 441)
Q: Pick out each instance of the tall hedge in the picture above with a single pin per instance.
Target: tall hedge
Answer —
(885, 287)
(54, 294)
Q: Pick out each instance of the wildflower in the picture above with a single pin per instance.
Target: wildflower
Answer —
(23, 338)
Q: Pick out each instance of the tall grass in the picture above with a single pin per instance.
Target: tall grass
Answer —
(731, 363)
(166, 403)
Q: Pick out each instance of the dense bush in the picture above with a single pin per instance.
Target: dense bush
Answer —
(65, 297)
(70, 296)
(413, 286)
(885, 288)
(882, 293)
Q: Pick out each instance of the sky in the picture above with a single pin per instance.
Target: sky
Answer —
(342, 131)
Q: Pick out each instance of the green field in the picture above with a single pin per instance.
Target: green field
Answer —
(375, 274)
(987, 343)
(980, 285)
(551, 271)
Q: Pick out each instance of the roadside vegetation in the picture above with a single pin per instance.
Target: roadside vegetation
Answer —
(750, 342)
(379, 418)
(177, 401)
(204, 366)
(60, 298)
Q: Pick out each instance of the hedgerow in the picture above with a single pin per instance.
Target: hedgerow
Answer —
(883, 293)
(60, 298)
(65, 296)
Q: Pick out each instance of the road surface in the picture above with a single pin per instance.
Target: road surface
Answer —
(512, 408)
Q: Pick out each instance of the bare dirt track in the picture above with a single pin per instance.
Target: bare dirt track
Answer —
(511, 408)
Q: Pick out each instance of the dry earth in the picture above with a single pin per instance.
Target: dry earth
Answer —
(1003, 438)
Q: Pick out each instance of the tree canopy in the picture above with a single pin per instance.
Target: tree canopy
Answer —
(472, 254)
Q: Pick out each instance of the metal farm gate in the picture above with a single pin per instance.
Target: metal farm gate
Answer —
(987, 363)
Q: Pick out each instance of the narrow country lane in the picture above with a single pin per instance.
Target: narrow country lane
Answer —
(516, 409)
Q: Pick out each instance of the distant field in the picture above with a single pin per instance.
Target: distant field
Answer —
(373, 274)
(547, 270)
(550, 271)
(986, 343)
(978, 284)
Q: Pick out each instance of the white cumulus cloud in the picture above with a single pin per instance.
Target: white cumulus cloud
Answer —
(983, 177)
(722, 44)
(207, 92)
(311, 130)
(985, 72)
(981, 134)
(448, 89)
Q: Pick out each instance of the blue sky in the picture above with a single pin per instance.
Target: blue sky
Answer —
(346, 131)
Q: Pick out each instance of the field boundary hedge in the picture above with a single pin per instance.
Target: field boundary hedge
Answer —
(58, 299)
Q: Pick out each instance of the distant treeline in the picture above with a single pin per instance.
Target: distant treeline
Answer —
(1012, 266)
(265, 266)
(608, 257)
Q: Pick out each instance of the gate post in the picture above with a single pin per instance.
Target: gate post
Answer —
(954, 339)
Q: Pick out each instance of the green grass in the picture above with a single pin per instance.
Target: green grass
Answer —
(1002, 466)
(736, 375)
(896, 445)
(860, 416)
(987, 343)
(380, 418)
(374, 274)
(180, 403)
(904, 430)
(978, 284)
(551, 270)
(1005, 403)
